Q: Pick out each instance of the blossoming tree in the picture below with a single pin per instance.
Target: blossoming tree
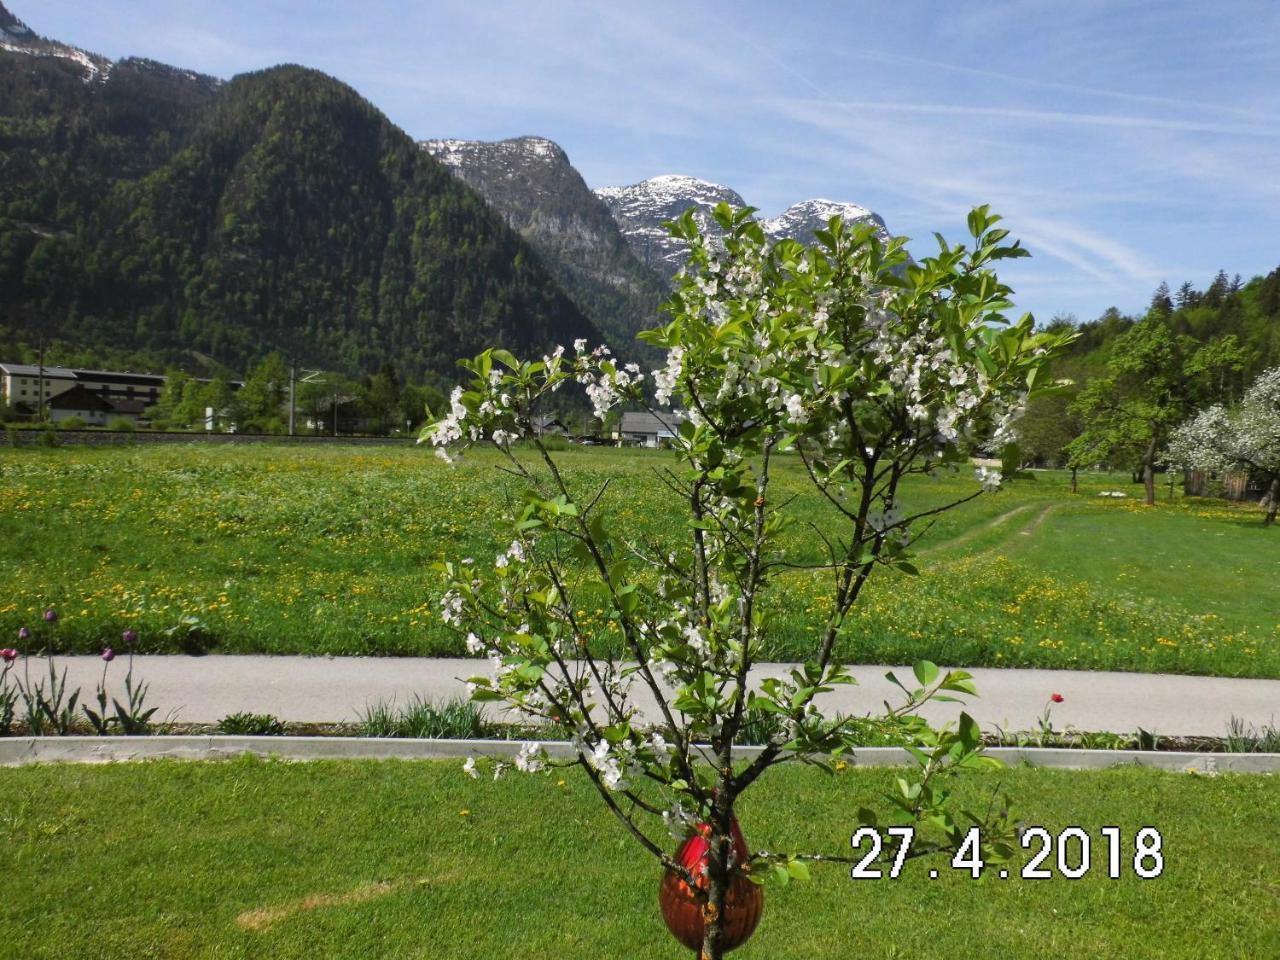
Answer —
(1246, 437)
(846, 359)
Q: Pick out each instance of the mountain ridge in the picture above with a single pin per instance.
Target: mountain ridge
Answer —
(150, 208)
(641, 208)
(531, 182)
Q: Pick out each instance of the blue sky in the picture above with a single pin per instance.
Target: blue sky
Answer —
(1125, 142)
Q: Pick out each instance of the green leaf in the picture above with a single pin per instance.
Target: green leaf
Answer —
(798, 869)
(926, 672)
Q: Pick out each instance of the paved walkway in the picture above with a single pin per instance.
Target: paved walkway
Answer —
(335, 689)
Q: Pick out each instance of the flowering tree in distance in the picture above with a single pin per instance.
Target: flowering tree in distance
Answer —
(1246, 437)
(851, 362)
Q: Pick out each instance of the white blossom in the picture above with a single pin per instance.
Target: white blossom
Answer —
(531, 758)
(665, 379)
(795, 409)
(989, 478)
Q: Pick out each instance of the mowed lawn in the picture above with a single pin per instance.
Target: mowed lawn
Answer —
(284, 549)
(384, 860)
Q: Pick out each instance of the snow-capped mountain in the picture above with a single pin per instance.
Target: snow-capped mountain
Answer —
(641, 209)
(532, 184)
(799, 221)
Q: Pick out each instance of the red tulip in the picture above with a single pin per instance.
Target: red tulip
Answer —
(8, 654)
(1057, 697)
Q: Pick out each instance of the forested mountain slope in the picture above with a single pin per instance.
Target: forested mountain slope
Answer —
(150, 209)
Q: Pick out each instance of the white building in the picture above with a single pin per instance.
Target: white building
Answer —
(27, 388)
(648, 429)
(20, 384)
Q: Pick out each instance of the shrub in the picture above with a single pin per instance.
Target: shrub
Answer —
(121, 423)
(251, 725)
(422, 719)
(73, 423)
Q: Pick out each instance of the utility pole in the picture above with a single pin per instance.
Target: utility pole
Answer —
(40, 382)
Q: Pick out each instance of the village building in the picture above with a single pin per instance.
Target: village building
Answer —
(26, 387)
(544, 425)
(82, 403)
(95, 396)
(648, 429)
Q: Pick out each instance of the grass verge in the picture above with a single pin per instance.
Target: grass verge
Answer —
(353, 860)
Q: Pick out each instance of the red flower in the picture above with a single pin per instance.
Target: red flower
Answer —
(1057, 697)
(8, 654)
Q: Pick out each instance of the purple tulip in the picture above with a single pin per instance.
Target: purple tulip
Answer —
(108, 654)
(51, 615)
(24, 633)
(8, 654)
(130, 637)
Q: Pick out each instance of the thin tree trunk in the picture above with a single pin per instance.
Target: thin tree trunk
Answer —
(1149, 472)
(718, 887)
(1273, 500)
(1074, 471)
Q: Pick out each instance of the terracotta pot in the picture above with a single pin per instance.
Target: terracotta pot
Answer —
(681, 907)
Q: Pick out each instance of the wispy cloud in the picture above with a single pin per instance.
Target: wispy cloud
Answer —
(1019, 114)
(1127, 142)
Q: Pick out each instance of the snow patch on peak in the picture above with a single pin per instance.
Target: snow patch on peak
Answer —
(456, 153)
(641, 208)
(95, 68)
(451, 153)
(17, 37)
(679, 189)
(829, 208)
(800, 220)
(540, 147)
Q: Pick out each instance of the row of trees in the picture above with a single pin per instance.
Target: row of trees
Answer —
(323, 402)
(1134, 381)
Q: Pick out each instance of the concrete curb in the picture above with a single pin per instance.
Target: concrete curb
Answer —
(19, 751)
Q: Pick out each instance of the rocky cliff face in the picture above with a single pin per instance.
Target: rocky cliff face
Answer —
(532, 184)
(642, 208)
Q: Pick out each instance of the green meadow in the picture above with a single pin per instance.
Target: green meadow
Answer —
(288, 549)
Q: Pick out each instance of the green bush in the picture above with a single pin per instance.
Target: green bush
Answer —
(72, 423)
(121, 423)
(251, 725)
(422, 719)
